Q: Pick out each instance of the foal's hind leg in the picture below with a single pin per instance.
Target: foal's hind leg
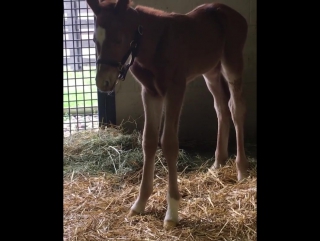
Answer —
(153, 110)
(232, 69)
(215, 84)
(235, 31)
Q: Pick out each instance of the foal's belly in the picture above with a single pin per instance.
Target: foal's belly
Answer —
(204, 48)
(203, 59)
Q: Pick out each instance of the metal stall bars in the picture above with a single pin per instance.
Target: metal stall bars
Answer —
(84, 107)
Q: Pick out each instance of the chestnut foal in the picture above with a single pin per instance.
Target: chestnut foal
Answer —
(168, 51)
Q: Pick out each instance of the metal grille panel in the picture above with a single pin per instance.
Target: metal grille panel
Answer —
(80, 97)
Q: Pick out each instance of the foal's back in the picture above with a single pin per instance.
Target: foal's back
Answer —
(196, 40)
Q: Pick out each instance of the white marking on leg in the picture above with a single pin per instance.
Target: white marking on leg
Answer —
(172, 211)
(138, 206)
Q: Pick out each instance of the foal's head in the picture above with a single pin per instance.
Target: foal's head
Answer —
(116, 23)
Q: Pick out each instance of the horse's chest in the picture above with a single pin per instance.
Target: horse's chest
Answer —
(148, 80)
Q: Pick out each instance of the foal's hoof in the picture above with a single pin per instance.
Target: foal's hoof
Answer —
(242, 175)
(132, 213)
(216, 166)
(242, 171)
(168, 224)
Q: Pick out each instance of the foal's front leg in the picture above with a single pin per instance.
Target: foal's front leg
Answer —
(170, 148)
(153, 110)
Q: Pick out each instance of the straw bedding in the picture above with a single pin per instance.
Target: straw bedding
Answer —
(102, 173)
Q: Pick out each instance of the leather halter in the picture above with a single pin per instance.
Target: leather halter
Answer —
(133, 51)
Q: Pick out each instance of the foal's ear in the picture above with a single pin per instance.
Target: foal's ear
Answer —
(122, 5)
(94, 5)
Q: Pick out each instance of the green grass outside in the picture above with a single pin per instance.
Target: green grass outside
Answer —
(79, 89)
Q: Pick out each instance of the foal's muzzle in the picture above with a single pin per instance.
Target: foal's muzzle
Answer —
(122, 69)
(106, 78)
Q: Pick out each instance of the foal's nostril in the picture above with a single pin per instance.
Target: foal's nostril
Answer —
(106, 83)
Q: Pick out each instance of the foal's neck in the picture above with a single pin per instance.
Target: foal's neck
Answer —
(154, 24)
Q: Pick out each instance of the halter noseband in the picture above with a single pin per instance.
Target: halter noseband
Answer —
(133, 50)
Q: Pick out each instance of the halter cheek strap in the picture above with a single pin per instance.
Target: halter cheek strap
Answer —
(133, 51)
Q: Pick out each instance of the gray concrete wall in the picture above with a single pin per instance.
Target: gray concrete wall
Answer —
(198, 119)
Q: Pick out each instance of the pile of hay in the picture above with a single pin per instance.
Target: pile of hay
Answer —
(101, 182)
(111, 150)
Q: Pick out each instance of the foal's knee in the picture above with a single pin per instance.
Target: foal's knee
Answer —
(223, 114)
(150, 142)
(170, 145)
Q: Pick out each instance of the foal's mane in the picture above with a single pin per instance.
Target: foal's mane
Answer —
(152, 11)
(109, 3)
(106, 4)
